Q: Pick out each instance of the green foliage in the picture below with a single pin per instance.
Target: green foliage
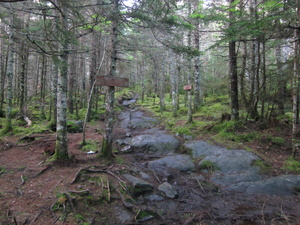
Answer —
(186, 50)
(182, 130)
(3, 170)
(264, 167)
(278, 141)
(99, 24)
(291, 165)
(144, 215)
(208, 165)
(90, 145)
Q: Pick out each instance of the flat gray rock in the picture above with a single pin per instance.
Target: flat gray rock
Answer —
(281, 185)
(181, 162)
(154, 197)
(202, 148)
(123, 215)
(132, 119)
(233, 161)
(168, 190)
(230, 167)
(157, 143)
(139, 186)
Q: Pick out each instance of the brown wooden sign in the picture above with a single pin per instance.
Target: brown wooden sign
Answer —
(188, 87)
(112, 81)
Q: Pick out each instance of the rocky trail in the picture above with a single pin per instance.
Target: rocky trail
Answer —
(157, 178)
(205, 185)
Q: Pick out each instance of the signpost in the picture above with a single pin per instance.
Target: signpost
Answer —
(112, 81)
(188, 87)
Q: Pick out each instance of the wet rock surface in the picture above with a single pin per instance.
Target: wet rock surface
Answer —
(211, 185)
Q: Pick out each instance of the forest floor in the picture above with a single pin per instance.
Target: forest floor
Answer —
(34, 190)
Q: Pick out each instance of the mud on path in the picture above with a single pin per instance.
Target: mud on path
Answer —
(92, 191)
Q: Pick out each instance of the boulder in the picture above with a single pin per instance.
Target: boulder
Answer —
(182, 163)
(283, 185)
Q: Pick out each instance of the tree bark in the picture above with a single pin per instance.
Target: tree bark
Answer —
(61, 147)
(173, 82)
(110, 99)
(9, 74)
(197, 86)
(233, 74)
(280, 80)
(295, 86)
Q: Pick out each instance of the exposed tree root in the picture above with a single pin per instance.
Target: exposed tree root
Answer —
(42, 171)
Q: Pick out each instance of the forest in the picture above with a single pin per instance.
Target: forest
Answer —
(72, 72)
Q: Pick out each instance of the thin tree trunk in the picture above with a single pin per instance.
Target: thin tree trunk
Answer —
(233, 75)
(173, 82)
(280, 80)
(71, 80)
(161, 84)
(23, 74)
(61, 147)
(42, 90)
(189, 78)
(295, 86)
(110, 99)
(198, 77)
(53, 117)
(243, 74)
(264, 80)
(9, 75)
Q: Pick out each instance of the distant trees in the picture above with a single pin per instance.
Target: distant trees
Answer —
(53, 50)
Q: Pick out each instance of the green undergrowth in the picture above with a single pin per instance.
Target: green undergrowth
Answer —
(90, 145)
(291, 165)
(263, 166)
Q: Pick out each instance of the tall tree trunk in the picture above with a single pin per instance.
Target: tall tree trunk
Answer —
(61, 147)
(264, 80)
(190, 71)
(161, 84)
(197, 78)
(23, 75)
(43, 88)
(71, 84)
(173, 82)
(110, 99)
(2, 76)
(54, 82)
(295, 87)
(243, 75)
(280, 80)
(255, 65)
(233, 74)
(92, 73)
(9, 74)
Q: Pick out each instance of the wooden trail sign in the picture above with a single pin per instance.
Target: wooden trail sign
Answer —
(112, 81)
(188, 87)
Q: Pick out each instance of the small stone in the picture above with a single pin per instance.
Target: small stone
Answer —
(145, 176)
(154, 197)
(139, 186)
(168, 190)
(126, 149)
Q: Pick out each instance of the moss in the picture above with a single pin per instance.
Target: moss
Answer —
(291, 165)
(143, 216)
(182, 130)
(90, 145)
(2, 170)
(263, 166)
(277, 141)
(208, 165)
